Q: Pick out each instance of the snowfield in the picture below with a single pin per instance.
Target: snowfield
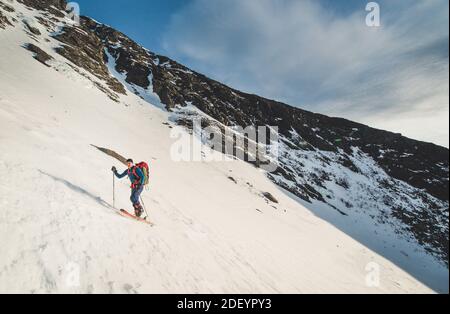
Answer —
(59, 232)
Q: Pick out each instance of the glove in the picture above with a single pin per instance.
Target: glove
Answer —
(113, 169)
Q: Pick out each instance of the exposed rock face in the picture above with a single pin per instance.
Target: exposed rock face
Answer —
(86, 50)
(39, 54)
(6, 7)
(4, 21)
(270, 197)
(51, 6)
(360, 172)
(113, 154)
(32, 29)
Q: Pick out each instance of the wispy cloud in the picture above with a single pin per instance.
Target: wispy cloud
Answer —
(310, 54)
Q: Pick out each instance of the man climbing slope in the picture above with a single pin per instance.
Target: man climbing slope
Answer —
(137, 179)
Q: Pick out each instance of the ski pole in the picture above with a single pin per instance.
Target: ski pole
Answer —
(114, 191)
(143, 204)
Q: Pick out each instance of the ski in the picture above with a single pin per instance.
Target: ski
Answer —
(125, 213)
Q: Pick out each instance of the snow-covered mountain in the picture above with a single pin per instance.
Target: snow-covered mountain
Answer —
(343, 195)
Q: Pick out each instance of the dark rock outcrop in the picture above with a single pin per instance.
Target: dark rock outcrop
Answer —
(4, 21)
(86, 50)
(31, 28)
(55, 7)
(270, 197)
(39, 54)
(6, 7)
(112, 154)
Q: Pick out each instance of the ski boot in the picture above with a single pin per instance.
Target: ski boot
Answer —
(138, 211)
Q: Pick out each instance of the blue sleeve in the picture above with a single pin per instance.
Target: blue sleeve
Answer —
(120, 176)
(141, 175)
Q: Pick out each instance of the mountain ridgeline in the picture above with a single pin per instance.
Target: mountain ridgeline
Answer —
(358, 171)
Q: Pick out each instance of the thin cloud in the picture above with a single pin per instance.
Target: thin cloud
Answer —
(307, 54)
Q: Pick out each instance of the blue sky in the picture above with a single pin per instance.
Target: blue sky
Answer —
(315, 54)
(144, 21)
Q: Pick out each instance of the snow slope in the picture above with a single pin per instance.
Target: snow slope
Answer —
(60, 234)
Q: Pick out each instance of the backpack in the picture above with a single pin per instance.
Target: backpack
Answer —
(145, 170)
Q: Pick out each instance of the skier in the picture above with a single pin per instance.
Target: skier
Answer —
(137, 179)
